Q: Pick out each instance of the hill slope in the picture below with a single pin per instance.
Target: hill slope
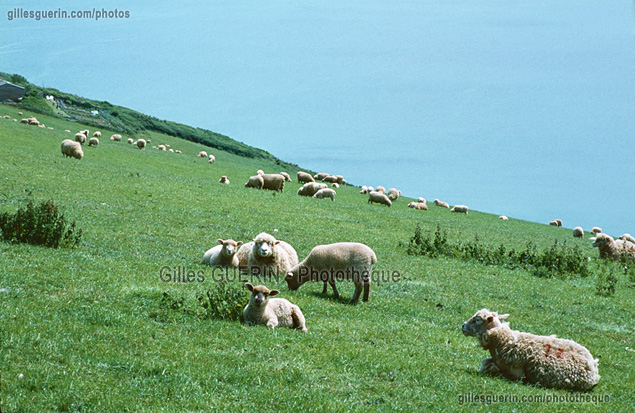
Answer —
(92, 328)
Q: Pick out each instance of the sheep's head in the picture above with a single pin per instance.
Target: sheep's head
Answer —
(293, 279)
(264, 245)
(229, 247)
(260, 295)
(480, 322)
(602, 241)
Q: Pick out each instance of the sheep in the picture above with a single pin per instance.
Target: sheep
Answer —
(211, 158)
(614, 249)
(553, 223)
(223, 180)
(223, 255)
(422, 199)
(24, 121)
(272, 312)
(260, 172)
(596, 230)
(343, 182)
(305, 177)
(116, 137)
(335, 185)
(80, 137)
(141, 144)
(379, 198)
(320, 176)
(370, 189)
(34, 121)
(171, 150)
(504, 218)
(85, 132)
(627, 237)
(460, 209)
(546, 360)
(342, 260)
(273, 182)
(394, 194)
(325, 193)
(202, 154)
(380, 189)
(20, 113)
(243, 254)
(340, 180)
(418, 205)
(287, 178)
(578, 232)
(310, 188)
(97, 134)
(7, 117)
(330, 179)
(72, 148)
(130, 141)
(93, 142)
(364, 190)
(179, 151)
(270, 256)
(69, 131)
(255, 181)
(441, 204)
(161, 148)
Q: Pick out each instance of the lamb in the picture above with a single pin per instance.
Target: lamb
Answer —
(141, 144)
(325, 193)
(342, 260)
(7, 117)
(379, 198)
(546, 360)
(116, 137)
(287, 178)
(255, 181)
(270, 256)
(202, 154)
(596, 230)
(614, 249)
(243, 254)
(364, 190)
(442, 204)
(80, 137)
(460, 209)
(627, 237)
(418, 205)
(320, 176)
(72, 148)
(271, 312)
(93, 142)
(578, 232)
(504, 218)
(130, 141)
(310, 188)
(273, 182)
(305, 177)
(97, 134)
(223, 180)
(223, 255)
(211, 158)
(380, 189)
(179, 151)
(394, 194)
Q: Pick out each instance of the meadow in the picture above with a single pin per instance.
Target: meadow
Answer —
(90, 328)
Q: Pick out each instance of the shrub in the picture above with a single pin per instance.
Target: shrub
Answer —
(607, 280)
(225, 302)
(39, 225)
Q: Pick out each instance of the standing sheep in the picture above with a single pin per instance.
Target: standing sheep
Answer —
(364, 190)
(141, 144)
(504, 218)
(305, 177)
(80, 137)
(380, 189)
(546, 360)
(72, 149)
(224, 180)
(627, 237)
(223, 255)
(394, 194)
(97, 134)
(93, 142)
(462, 209)
(330, 179)
(320, 176)
(202, 154)
(273, 182)
(596, 230)
(255, 181)
(342, 260)
(130, 141)
(287, 178)
(211, 158)
(270, 256)
(325, 193)
(310, 188)
(614, 249)
(379, 198)
(116, 137)
(578, 232)
(271, 312)
(442, 204)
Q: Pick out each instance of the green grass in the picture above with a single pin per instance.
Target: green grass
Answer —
(89, 330)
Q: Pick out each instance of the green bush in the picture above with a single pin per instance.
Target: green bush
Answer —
(41, 225)
(225, 302)
(36, 104)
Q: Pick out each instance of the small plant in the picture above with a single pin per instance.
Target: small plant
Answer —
(39, 225)
(225, 302)
(606, 281)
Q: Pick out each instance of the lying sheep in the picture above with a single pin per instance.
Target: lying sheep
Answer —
(310, 188)
(162, 148)
(578, 232)
(441, 204)
(202, 154)
(169, 150)
(596, 230)
(271, 312)
(141, 144)
(270, 256)
(462, 209)
(273, 182)
(223, 255)
(380, 189)
(418, 205)
(546, 360)
(627, 237)
(504, 218)
(422, 199)
(287, 178)
(116, 137)
(325, 193)
(24, 121)
(364, 190)
(305, 177)
(342, 260)
(614, 249)
(211, 158)
(179, 151)
(255, 181)
(394, 194)
(320, 176)
(130, 141)
(224, 180)
(72, 149)
(69, 131)
(379, 198)
(97, 134)
(93, 142)
(80, 137)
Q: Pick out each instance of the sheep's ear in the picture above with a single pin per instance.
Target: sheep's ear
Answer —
(276, 243)
(289, 276)
(220, 241)
(503, 316)
(490, 319)
(273, 292)
(239, 243)
(249, 287)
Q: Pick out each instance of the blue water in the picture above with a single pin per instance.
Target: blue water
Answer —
(522, 108)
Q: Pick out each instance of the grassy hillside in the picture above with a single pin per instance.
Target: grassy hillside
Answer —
(92, 329)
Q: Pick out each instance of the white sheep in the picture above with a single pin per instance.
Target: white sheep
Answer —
(260, 172)
(141, 144)
(85, 132)
(286, 176)
(422, 199)
(418, 205)
(93, 142)
(627, 237)
(211, 158)
(80, 137)
(546, 360)
(370, 189)
(614, 249)
(320, 176)
(379, 198)
(340, 180)
(24, 121)
(462, 209)
(305, 177)
(578, 232)
(202, 154)
(116, 137)
(169, 150)
(342, 260)
(364, 190)
(394, 194)
(69, 131)
(130, 141)
(179, 151)
(223, 255)
(72, 148)
(273, 182)
(224, 180)
(335, 185)
(97, 134)
(596, 230)
(504, 218)
(442, 204)
(270, 256)
(325, 193)
(310, 188)
(162, 148)
(380, 189)
(255, 181)
(272, 312)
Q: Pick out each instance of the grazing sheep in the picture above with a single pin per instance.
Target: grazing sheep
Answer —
(271, 312)
(93, 142)
(380, 189)
(305, 177)
(162, 148)
(370, 189)
(255, 181)
(546, 360)
(85, 132)
(34, 122)
(627, 237)
(422, 199)
(72, 148)
(504, 218)
(310, 188)
(202, 154)
(270, 256)
(97, 134)
(24, 121)
(418, 205)
(441, 204)
(141, 144)
(223, 255)
(578, 232)
(287, 178)
(325, 193)
(130, 141)
(379, 198)
(211, 158)
(7, 117)
(20, 113)
(320, 176)
(335, 185)
(342, 260)
(330, 179)
(223, 180)
(340, 180)
(614, 249)
(364, 190)
(273, 182)
(394, 194)
(81, 138)
(260, 172)
(596, 230)
(462, 209)
(116, 137)
(555, 222)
